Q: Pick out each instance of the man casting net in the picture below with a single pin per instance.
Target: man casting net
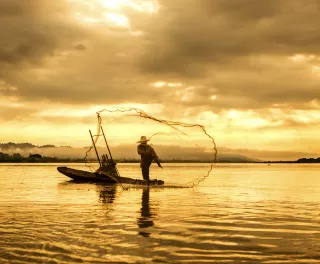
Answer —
(175, 142)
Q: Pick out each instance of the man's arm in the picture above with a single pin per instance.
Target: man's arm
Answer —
(155, 156)
(138, 150)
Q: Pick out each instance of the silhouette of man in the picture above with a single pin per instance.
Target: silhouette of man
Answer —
(147, 154)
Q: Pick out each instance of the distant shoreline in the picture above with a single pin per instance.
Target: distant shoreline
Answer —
(37, 158)
(165, 161)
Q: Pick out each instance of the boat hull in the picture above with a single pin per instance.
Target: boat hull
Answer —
(86, 176)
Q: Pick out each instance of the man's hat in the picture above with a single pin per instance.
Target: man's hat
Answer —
(143, 139)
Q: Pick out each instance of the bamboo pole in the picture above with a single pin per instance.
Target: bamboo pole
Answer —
(107, 144)
(94, 145)
(110, 152)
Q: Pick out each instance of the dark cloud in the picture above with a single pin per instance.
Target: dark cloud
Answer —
(39, 54)
(34, 29)
(188, 33)
(240, 48)
(79, 47)
(237, 50)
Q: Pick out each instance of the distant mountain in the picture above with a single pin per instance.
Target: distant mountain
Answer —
(165, 152)
(235, 158)
(124, 152)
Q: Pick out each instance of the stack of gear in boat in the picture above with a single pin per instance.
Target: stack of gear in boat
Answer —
(108, 168)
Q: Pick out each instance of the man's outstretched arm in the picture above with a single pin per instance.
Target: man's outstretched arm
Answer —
(155, 157)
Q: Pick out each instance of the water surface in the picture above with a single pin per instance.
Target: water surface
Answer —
(242, 213)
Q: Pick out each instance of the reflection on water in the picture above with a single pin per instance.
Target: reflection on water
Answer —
(242, 214)
(108, 194)
(145, 220)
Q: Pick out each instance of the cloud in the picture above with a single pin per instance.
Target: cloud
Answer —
(239, 48)
(188, 56)
(237, 51)
(79, 47)
(34, 30)
(218, 32)
(50, 55)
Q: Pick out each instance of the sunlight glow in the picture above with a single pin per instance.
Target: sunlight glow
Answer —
(297, 57)
(113, 4)
(117, 19)
(309, 61)
(208, 116)
(162, 84)
(17, 105)
(174, 84)
(233, 114)
(111, 12)
(302, 57)
(138, 5)
(246, 119)
(302, 116)
(7, 87)
(187, 94)
(91, 20)
(213, 97)
(11, 101)
(136, 33)
(158, 84)
(316, 69)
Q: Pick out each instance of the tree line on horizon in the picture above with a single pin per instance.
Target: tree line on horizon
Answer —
(24, 145)
(17, 157)
(302, 160)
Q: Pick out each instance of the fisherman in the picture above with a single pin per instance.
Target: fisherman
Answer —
(147, 154)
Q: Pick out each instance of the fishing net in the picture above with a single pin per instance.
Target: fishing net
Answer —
(123, 125)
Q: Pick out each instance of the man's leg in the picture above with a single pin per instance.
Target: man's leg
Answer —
(145, 173)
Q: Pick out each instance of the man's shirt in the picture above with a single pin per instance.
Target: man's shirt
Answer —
(147, 154)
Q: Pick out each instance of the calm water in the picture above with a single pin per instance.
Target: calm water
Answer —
(241, 214)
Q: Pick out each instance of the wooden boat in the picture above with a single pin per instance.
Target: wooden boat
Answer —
(86, 176)
(107, 171)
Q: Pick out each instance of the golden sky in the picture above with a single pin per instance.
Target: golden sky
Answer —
(247, 70)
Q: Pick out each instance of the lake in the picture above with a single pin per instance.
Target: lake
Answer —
(241, 213)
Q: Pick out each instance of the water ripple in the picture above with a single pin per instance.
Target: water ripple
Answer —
(239, 216)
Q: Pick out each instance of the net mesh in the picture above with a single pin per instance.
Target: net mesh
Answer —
(180, 130)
